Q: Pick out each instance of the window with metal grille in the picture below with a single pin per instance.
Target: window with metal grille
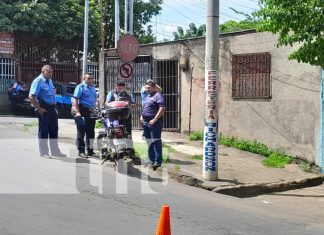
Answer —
(251, 76)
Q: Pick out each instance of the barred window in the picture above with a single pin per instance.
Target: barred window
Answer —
(251, 75)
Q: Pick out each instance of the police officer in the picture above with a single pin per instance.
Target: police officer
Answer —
(85, 99)
(42, 97)
(120, 93)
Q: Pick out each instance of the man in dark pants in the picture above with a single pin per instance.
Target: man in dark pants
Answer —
(152, 119)
(42, 97)
(85, 99)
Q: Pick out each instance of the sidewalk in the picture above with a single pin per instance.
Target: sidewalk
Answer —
(240, 173)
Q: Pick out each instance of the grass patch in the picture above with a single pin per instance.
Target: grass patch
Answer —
(99, 125)
(246, 145)
(197, 157)
(141, 151)
(275, 158)
(177, 167)
(305, 167)
(196, 135)
(32, 124)
(223, 154)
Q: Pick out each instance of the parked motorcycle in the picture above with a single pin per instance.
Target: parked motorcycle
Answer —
(114, 142)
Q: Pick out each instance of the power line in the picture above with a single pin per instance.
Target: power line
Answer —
(187, 8)
(236, 4)
(178, 11)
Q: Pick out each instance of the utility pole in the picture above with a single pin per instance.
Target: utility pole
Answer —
(117, 24)
(102, 81)
(85, 36)
(210, 150)
(131, 17)
(126, 17)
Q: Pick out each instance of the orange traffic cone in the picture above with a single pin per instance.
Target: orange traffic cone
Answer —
(164, 227)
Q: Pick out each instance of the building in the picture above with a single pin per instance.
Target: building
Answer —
(263, 95)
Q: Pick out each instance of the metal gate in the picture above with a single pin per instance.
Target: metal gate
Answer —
(164, 72)
(142, 71)
(7, 73)
(32, 53)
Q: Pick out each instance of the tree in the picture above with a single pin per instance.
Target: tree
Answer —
(64, 19)
(192, 32)
(229, 26)
(300, 21)
(232, 26)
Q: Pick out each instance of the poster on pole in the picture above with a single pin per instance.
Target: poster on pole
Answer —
(211, 125)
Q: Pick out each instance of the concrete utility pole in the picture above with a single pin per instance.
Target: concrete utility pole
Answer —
(126, 16)
(210, 151)
(117, 24)
(131, 17)
(85, 36)
(102, 81)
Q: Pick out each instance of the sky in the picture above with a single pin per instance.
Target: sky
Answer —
(177, 13)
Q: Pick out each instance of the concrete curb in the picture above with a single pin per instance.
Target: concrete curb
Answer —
(248, 190)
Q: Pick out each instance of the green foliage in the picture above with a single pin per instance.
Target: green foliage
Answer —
(192, 32)
(232, 26)
(64, 20)
(196, 135)
(223, 154)
(305, 167)
(177, 167)
(277, 160)
(246, 145)
(197, 157)
(141, 151)
(301, 22)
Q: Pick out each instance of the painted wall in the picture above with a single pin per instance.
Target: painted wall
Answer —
(290, 120)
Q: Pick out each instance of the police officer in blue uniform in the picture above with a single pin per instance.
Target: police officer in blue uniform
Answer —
(85, 99)
(42, 97)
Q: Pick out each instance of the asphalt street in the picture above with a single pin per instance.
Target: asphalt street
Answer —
(78, 196)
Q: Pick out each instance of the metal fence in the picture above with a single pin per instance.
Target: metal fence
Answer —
(93, 67)
(164, 72)
(32, 53)
(7, 73)
(142, 71)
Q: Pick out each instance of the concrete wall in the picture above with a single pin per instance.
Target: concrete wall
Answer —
(290, 120)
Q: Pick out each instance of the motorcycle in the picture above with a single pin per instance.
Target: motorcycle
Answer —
(114, 142)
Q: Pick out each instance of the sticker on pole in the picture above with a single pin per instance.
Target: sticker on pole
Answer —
(126, 70)
(127, 48)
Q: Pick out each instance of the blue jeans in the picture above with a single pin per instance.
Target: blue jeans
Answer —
(152, 136)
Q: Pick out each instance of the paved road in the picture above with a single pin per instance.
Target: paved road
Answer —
(69, 196)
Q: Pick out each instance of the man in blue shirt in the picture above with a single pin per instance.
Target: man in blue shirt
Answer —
(42, 97)
(85, 99)
(144, 93)
(120, 93)
(152, 120)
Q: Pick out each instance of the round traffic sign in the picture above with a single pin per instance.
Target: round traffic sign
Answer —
(126, 70)
(127, 48)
